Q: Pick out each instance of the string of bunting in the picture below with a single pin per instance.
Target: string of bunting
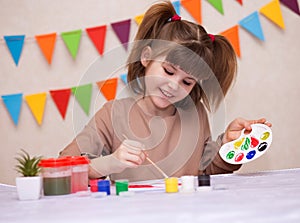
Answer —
(46, 42)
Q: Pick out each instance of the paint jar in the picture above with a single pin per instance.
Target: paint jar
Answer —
(94, 185)
(80, 169)
(187, 184)
(171, 184)
(104, 186)
(121, 185)
(203, 180)
(56, 176)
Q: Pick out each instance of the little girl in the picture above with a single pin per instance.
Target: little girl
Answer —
(176, 72)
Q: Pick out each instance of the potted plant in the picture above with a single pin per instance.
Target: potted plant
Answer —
(29, 185)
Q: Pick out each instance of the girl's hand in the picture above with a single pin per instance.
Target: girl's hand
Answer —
(234, 129)
(130, 154)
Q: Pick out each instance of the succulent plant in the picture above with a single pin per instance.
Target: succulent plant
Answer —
(28, 166)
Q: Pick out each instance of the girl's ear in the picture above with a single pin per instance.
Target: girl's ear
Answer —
(146, 55)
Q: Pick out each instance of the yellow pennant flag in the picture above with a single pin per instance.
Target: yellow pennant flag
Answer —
(273, 12)
(36, 103)
(138, 19)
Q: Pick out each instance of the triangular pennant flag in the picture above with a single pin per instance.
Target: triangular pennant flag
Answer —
(122, 30)
(252, 24)
(217, 4)
(291, 4)
(61, 99)
(97, 35)
(83, 95)
(13, 104)
(47, 43)
(194, 8)
(108, 88)
(15, 46)
(240, 1)
(72, 40)
(232, 35)
(36, 103)
(177, 5)
(273, 12)
(124, 78)
(138, 19)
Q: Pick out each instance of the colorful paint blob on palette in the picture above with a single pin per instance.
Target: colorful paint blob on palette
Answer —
(247, 147)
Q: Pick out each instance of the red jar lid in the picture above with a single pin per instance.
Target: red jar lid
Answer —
(55, 162)
(78, 160)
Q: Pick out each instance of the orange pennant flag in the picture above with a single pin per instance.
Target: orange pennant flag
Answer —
(273, 12)
(47, 43)
(194, 8)
(36, 103)
(108, 88)
(61, 99)
(97, 35)
(232, 35)
(138, 19)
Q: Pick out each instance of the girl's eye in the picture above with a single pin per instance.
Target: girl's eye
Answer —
(168, 72)
(187, 83)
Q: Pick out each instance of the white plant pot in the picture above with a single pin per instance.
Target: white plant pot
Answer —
(29, 188)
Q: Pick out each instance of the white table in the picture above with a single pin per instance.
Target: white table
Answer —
(272, 196)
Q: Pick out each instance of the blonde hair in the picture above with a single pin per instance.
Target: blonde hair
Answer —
(217, 53)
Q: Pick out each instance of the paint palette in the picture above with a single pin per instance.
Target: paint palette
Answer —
(247, 147)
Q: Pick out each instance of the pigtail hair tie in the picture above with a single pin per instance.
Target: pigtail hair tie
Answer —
(212, 37)
(174, 18)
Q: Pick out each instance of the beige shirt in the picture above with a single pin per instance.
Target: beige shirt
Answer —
(179, 144)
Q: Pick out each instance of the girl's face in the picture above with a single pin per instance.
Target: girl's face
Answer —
(167, 84)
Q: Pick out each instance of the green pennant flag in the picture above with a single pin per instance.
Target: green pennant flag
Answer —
(217, 4)
(72, 40)
(83, 95)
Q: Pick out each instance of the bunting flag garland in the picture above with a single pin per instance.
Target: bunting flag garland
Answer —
(217, 4)
(13, 103)
(72, 40)
(83, 95)
(176, 5)
(61, 99)
(194, 7)
(240, 1)
(124, 78)
(36, 103)
(15, 46)
(46, 43)
(252, 24)
(273, 12)
(108, 88)
(232, 35)
(138, 19)
(97, 35)
(291, 4)
(122, 30)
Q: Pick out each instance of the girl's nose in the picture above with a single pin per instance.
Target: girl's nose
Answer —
(173, 85)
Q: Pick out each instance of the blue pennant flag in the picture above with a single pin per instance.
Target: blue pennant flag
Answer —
(15, 46)
(124, 78)
(13, 104)
(176, 5)
(252, 24)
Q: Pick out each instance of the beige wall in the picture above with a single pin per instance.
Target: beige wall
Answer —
(267, 83)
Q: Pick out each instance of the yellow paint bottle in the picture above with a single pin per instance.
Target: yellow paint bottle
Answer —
(171, 184)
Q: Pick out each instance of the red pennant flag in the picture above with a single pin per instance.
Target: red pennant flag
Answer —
(194, 8)
(46, 43)
(61, 99)
(240, 1)
(108, 88)
(97, 35)
(122, 30)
